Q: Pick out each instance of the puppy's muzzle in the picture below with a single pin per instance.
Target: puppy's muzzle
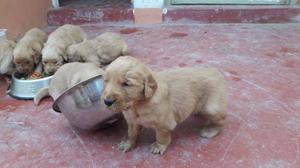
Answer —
(109, 102)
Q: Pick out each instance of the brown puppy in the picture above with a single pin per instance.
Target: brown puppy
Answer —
(54, 53)
(66, 77)
(6, 56)
(163, 100)
(102, 50)
(27, 53)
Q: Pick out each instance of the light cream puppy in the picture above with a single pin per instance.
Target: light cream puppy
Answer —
(27, 54)
(6, 56)
(54, 53)
(102, 50)
(164, 99)
(66, 77)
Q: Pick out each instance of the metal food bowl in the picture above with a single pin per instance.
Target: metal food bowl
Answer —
(82, 105)
(26, 89)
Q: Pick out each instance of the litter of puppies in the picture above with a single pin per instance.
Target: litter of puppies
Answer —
(145, 98)
(37, 55)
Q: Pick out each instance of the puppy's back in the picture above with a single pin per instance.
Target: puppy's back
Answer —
(71, 74)
(6, 56)
(110, 39)
(6, 46)
(33, 39)
(194, 75)
(190, 88)
(109, 46)
(66, 35)
(37, 34)
(110, 36)
(31, 36)
(194, 81)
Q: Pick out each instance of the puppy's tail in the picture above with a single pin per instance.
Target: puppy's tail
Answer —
(44, 92)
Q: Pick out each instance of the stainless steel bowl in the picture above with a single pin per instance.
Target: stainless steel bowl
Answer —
(82, 105)
(26, 89)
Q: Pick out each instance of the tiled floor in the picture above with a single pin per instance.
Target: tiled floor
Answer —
(261, 64)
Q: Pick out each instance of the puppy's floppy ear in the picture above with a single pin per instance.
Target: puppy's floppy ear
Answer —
(150, 85)
(36, 58)
(63, 54)
(65, 57)
(70, 51)
(36, 48)
(99, 52)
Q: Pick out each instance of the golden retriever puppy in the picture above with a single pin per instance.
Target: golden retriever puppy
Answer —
(102, 50)
(66, 77)
(27, 53)
(6, 56)
(54, 53)
(164, 99)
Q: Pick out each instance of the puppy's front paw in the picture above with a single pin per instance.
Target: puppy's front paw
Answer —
(157, 148)
(126, 146)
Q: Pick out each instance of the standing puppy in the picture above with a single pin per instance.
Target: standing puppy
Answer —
(27, 54)
(102, 50)
(54, 52)
(163, 100)
(6, 56)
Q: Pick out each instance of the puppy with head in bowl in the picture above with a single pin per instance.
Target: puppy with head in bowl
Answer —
(54, 54)
(27, 54)
(66, 77)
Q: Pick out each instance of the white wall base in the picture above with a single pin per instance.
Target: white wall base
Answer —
(55, 3)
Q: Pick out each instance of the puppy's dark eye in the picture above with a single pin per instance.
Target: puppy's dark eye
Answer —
(55, 62)
(126, 84)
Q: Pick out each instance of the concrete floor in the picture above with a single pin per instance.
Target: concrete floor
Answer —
(261, 64)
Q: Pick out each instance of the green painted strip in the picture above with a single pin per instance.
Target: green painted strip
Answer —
(293, 2)
(237, 2)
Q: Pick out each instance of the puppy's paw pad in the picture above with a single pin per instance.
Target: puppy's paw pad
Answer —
(157, 148)
(125, 146)
(209, 132)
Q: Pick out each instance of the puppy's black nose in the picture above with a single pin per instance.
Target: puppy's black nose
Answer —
(109, 102)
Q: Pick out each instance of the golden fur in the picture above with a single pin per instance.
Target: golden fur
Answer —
(54, 53)
(164, 99)
(27, 54)
(66, 77)
(6, 56)
(102, 50)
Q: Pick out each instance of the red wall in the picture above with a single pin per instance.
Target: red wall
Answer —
(20, 15)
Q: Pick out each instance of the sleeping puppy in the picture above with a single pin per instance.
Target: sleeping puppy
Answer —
(102, 50)
(27, 53)
(54, 53)
(66, 77)
(6, 57)
(164, 99)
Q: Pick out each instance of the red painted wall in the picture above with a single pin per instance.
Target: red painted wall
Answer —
(20, 15)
